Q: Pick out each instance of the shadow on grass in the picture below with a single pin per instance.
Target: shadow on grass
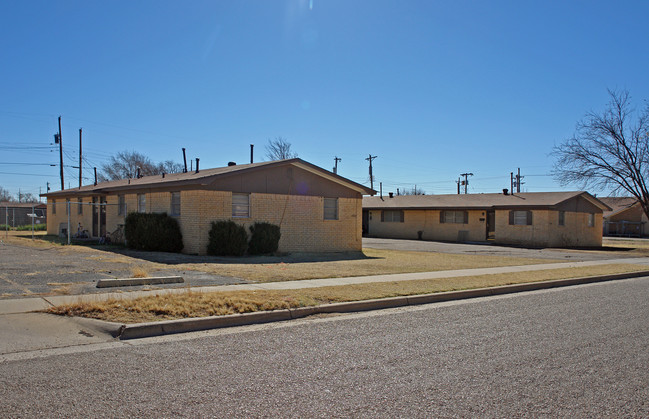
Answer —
(180, 258)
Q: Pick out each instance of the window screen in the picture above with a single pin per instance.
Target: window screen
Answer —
(175, 203)
(331, 208)
(240, 205)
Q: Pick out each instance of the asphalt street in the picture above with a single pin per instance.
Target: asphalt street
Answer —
(576, 351)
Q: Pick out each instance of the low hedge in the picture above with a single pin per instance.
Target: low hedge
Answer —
(28, 227)
(264, 239)
(156, 232)
(227, 238)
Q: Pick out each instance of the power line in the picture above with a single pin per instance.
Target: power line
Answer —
(30, 164)
(24, 174)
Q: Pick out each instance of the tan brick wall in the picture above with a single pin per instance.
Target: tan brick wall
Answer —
(428, 221)
(300, 218)
(54, 220)
(545, 230)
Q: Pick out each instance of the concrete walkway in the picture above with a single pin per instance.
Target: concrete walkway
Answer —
(25, 305)
(27, 334)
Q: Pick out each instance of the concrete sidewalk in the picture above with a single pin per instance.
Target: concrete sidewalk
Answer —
(25, 305)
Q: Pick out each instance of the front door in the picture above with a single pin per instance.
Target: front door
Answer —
(491, 225)
(95, 217)
(98, 216)
(102, 216)
(366, 222)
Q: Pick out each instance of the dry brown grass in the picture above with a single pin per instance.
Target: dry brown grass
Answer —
(139, 272)
(193, 304)
(370, 262)
(635, 246)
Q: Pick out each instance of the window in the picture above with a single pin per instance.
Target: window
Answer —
(454, 217)
(80, 204)
(175, 203)
(562, 218)
(240, 205)
(392, 216)
(141, 202)
(54, 206)
(331, 208)
(520, 218)
(591, 220)
(121, 205)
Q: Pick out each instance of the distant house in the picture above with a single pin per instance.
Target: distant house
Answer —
(535, 219)
(625, 218)
(317, 211)
(17, 214)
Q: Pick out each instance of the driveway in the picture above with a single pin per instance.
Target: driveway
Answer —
(495, 250)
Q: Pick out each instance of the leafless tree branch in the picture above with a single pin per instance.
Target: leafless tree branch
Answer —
(609, 150)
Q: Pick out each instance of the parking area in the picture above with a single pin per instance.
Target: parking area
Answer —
(27, 271)
(487, 249)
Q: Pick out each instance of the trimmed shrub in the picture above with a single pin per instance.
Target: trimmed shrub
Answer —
(156, 232)
(28, 227)
(264, 239)
(227, 238)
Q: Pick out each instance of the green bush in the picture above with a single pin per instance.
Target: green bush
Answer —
(28, 227)
(156, 232)
(227, 238)
(264, 239)
(4, 227)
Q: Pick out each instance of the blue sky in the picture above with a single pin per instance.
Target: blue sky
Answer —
(432, 88)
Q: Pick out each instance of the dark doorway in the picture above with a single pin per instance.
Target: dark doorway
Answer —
(491, 225)
(102, 216)
(98, 216)
(95, 217)
(366, 222)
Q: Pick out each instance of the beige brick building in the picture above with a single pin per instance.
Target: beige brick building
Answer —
(535, 219)
(317, 211)
(626, 218)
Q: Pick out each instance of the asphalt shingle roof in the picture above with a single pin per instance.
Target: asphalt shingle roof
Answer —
(201, 177)
(475, 201)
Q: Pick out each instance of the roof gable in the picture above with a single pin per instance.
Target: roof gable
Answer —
(205, 177)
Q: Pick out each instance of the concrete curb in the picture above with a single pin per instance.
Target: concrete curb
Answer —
(142, 330)
(127, 282)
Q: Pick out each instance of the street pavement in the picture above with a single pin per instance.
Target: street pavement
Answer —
(569, 352)
(25, 330)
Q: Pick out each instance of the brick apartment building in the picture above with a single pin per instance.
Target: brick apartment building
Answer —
(317, 210)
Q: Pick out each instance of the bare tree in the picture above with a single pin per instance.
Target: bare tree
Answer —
(170, 166)
(5, 195)
(28, 198)
(609, 151)
(279, 149)
(125, 164)
(414, 191)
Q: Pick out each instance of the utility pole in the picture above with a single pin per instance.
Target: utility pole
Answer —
(60, 141)
(80, 159)
(336, 160)
(518, 181)
(370, 158)
(466, 181)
